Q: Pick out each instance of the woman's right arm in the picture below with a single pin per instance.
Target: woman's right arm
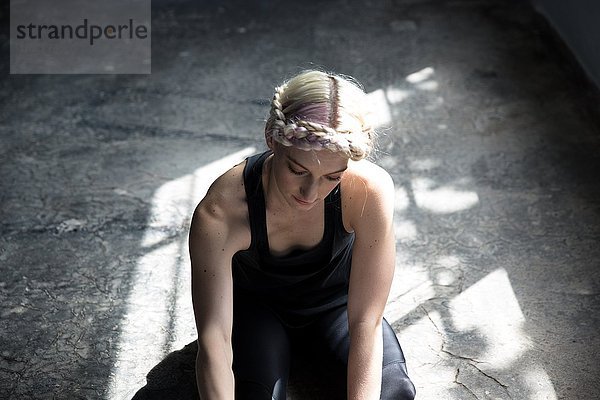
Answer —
(211, 248)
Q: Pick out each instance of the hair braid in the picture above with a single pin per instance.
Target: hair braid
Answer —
(295, 130)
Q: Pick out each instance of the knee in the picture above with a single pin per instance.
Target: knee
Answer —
(405, 390)
(249, 390)
(396, 385)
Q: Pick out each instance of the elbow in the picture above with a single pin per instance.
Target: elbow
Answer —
(364, 327)
(214, 345)
(369, 319)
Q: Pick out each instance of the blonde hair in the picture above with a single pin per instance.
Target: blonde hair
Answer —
(316, 110)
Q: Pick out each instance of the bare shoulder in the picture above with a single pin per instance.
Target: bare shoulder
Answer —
(366, 187)
(224, 206)
(365, 179)
(373, 176)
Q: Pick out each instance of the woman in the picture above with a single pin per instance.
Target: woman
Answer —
(294, 249)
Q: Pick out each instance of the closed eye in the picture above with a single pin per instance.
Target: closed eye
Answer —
(302, 173)
(293, 171)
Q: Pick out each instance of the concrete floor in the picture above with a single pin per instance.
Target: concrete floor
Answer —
(490, 131)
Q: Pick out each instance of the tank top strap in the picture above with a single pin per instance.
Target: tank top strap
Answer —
(333, 210)
(255, 197)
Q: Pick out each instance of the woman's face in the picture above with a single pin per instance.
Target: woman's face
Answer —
(304, 178)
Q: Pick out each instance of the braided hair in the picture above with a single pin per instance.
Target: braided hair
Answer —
(316, 110)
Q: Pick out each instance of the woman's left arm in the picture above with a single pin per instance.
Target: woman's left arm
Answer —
(373, 262)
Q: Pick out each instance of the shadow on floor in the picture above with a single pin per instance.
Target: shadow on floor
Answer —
(173, 378)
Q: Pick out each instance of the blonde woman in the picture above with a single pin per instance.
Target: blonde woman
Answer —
(293, 253)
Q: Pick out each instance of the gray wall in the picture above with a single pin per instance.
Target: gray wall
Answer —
(578, 23)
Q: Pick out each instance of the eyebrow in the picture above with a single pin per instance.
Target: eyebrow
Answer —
(331, 173)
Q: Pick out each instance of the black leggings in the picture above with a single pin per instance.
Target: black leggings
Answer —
(264, 350)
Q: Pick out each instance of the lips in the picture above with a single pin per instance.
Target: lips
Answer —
(304, 203)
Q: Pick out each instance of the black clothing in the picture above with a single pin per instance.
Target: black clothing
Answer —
(302, 284)
(296, 305)
(315, 357)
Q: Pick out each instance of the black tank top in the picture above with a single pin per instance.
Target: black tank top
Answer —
(303, 284)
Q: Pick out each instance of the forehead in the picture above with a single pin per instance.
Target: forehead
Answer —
(316, 159)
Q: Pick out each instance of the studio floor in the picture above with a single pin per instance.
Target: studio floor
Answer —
(488, 126)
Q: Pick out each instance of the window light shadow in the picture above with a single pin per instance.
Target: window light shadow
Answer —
(462, 336)
(159, 315)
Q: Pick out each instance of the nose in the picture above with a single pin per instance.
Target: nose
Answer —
(309, 190)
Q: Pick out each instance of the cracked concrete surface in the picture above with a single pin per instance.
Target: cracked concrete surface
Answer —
(490, 131)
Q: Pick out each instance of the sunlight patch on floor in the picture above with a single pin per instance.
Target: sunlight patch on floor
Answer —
(443, 199)
(159, 317)
(475, 340)
(490, 309)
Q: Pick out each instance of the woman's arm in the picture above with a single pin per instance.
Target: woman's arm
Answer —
(373, 262)
(211, 248)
